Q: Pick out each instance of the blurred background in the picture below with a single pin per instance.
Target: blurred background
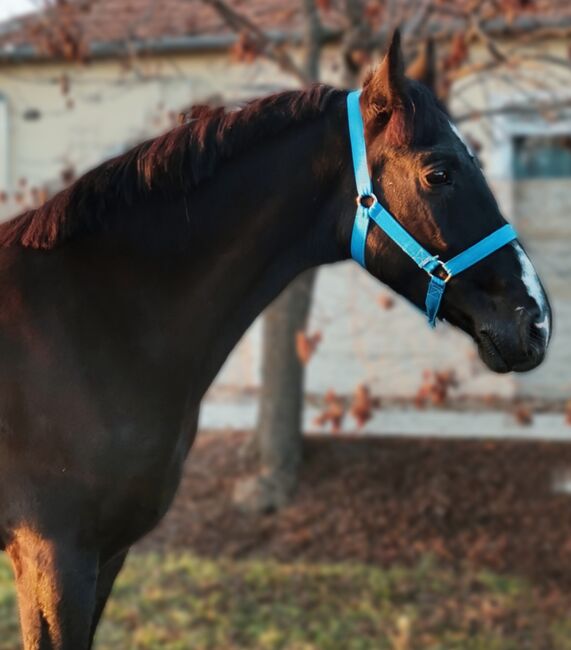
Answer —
(359, 481)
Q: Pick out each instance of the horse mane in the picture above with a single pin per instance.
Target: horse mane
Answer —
(177, 161)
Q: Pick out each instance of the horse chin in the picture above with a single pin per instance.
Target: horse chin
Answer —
(497, 361)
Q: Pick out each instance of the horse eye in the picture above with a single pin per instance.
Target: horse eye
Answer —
(437, 177)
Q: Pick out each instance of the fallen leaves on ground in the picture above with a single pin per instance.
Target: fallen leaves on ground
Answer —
(333, 411)
(435, 387)
(362, 405)
(383, 501)
(175, 601)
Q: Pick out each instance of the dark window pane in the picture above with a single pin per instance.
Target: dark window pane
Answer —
(542, 156)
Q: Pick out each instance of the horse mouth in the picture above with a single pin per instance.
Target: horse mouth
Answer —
(490, 354)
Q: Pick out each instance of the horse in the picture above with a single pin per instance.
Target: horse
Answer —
(121, 297)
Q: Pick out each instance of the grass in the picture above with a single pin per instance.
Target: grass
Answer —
(181, 602)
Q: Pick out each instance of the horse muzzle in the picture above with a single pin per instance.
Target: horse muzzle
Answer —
(518, 345)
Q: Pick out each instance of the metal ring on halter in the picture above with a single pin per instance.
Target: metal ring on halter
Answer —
(366, 197)
(442, 266)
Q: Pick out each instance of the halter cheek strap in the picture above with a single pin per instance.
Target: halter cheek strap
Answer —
(369, 209)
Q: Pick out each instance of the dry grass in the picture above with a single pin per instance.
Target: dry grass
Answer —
(178, 601)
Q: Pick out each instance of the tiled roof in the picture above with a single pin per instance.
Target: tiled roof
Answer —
(87, 27)
(122, 21)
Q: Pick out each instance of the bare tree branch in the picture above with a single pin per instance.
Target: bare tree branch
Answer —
(486, 39)
(264, 43)
(525, 33)
(514, 59)
(314, 39)
(356, 42)
(515, 108)
(416, 22)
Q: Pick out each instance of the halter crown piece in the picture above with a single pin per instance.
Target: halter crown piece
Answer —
(369, 208)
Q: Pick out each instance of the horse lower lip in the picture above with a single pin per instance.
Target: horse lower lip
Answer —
(491, 349)
(530, 363)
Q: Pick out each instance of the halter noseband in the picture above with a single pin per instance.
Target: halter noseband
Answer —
(368, 207)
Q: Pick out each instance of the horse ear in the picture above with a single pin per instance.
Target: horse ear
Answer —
(423, 68)
(385, 89)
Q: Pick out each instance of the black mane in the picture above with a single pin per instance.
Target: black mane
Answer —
(174, 162)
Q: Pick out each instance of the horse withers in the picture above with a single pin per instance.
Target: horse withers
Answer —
(122, 296)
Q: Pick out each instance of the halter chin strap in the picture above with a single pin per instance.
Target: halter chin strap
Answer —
(369, 208)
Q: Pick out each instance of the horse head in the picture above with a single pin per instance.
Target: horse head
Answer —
(428, 179)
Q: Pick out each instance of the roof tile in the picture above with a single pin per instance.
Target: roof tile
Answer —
(74, 26)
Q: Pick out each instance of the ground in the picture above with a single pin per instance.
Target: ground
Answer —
(180, 602)
(490, 504)
(390, 544)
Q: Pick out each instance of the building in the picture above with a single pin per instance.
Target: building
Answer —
(107, 74)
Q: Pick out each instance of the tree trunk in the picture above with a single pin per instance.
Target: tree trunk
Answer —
(281, 401)
(279, 436)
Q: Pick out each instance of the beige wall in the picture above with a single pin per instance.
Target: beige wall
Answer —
(111, 109)
(546, 227)
(540, 209)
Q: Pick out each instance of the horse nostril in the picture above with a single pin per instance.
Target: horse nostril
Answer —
(531, 328)
(533, 332)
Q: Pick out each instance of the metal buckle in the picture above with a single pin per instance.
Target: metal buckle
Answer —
(442, 267)
(366, 197)
(441, 271)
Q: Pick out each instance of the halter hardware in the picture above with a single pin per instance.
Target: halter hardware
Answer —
(440, 271)
(369, 209)
(366, 200)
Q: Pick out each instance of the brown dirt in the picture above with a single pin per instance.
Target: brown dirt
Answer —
(487, 505)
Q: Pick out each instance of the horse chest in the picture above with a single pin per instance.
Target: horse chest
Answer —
(139, 492)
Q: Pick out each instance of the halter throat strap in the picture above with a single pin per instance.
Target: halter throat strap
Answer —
(369, 209)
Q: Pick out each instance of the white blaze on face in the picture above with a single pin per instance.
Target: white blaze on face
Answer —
(457, 133)
(534, 289)
(528, 275)
(459, 136)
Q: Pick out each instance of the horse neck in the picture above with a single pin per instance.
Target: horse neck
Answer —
(254, 227)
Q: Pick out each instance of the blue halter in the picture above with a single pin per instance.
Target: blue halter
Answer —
(368, 207)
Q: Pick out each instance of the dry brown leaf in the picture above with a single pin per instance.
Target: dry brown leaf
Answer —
(523, 414)
(385, 301)
(306, 345)
(333, 411)
(362, 405)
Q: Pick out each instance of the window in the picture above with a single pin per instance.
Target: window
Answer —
(542, 156)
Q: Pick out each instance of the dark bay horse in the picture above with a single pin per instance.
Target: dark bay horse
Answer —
(122, 296)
